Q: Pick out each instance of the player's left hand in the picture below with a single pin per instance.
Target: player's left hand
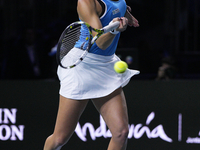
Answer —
(132, 21)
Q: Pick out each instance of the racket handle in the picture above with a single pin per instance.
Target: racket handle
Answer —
(111, 26)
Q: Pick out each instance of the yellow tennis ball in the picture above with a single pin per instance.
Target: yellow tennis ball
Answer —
(120, 66)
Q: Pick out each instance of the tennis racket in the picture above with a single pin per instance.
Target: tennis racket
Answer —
(79, 33)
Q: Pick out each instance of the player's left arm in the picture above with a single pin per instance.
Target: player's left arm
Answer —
(132, 21)
(87, 12)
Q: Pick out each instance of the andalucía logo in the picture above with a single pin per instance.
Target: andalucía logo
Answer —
(135, 131)
(8, 128)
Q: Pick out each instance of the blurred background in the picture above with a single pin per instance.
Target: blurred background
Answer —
(165, 46)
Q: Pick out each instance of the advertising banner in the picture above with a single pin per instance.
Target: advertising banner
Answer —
(162, 115)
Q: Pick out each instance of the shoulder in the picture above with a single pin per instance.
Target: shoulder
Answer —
(92, 4)
(85, 6)
(88, 7)
(85, 3)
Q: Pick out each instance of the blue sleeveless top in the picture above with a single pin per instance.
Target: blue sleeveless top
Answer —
(113, 9)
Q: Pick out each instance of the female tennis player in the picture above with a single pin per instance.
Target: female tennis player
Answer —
(94, 78)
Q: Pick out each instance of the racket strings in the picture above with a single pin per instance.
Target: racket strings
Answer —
(75, 35)
(71, 37)
(69, 40)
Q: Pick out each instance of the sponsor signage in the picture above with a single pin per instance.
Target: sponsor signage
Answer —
(135, 131)
(9, 130)
(161, 114)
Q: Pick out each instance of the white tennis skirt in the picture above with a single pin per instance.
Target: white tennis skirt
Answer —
(94, 77)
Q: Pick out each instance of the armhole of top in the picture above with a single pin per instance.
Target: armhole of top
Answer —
(103, 8)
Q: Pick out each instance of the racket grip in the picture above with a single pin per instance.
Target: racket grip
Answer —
(111, 26)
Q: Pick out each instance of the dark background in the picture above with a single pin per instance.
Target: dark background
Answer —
(167, 28)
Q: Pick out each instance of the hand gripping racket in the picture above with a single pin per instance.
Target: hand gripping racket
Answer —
(79, 33)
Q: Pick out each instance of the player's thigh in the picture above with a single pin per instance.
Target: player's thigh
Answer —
(69, 112)
(113, 109)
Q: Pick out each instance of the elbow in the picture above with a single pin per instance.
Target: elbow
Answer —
(105, 41)
(103, 45)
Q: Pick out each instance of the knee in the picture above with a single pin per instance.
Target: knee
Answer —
(56, 142)
(60, 141)
(121, 135)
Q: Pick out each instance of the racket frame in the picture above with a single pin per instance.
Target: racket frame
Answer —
(100, 32)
